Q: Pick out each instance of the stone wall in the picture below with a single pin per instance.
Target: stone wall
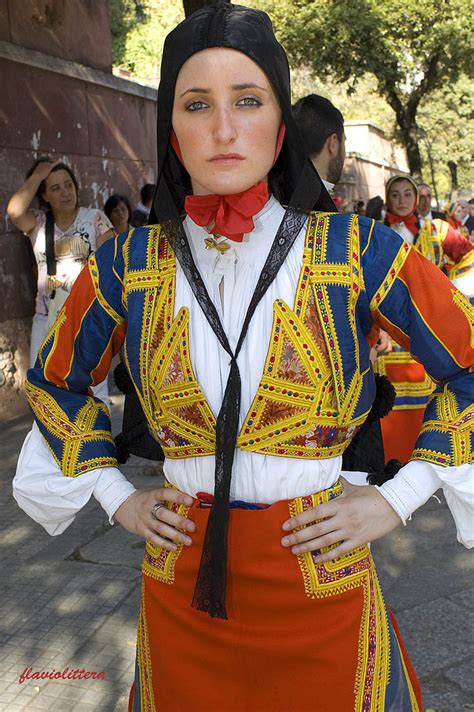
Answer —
(60, 98)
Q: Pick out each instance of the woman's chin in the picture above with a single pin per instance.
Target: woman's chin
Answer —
(226, 187)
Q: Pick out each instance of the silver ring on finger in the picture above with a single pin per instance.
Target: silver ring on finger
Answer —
(155, 509)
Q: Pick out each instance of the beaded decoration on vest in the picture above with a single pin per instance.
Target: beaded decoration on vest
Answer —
(302, 407)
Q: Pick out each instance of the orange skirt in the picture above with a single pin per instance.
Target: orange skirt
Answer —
(300, 636)
(400, 431)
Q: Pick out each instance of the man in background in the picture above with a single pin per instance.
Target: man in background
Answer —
(424, 205)
(142, 211)
(322, 128)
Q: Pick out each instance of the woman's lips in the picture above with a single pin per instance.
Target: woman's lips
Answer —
(225, 159)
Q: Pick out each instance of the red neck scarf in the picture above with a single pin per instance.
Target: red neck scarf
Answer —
(228, 215)
(410, 220)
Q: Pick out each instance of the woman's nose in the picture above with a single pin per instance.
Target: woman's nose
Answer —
(224, 127)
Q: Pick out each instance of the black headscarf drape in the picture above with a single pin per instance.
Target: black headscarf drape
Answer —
(293, 179)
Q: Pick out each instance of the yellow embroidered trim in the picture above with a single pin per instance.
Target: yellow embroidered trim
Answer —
(296, 411)
(430, 241)
(145, 668)
(392, 275)
(352, 570)
(159, 563)
(94, 273)
(463, 267)
(463, 303)
(73, 434)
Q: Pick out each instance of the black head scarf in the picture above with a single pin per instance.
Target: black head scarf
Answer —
(293, 179)
(295, 183)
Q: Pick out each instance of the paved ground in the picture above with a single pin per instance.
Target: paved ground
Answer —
(72, 601)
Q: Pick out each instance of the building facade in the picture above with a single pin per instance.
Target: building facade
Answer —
(60, 99)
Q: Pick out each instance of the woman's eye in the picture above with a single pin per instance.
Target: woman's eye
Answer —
(249, 101)
(196, 106)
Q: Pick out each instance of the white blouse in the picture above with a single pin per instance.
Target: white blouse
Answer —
(230, 278)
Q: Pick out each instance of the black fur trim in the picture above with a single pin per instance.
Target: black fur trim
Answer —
(384, 398)
(388, 473)
(122, 379)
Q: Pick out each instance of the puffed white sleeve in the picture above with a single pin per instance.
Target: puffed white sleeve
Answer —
(414, 484)
(52, 500)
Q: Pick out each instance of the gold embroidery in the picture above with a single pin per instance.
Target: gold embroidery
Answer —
(349, 571)
(73, 435)
(392, 275)
(303, 407)
(463, 303)
(159, 563)
(145, 668)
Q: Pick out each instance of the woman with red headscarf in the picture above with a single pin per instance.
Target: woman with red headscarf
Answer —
(454, 216)
(401, 199)
(413, 386)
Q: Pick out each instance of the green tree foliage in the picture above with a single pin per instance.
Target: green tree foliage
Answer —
(447, 132)
(354, 53)
(139, 28)
(411, 48)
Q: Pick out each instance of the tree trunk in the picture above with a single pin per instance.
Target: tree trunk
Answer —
(410, 139)
(191, 6)
(406, 120)
(453, 169)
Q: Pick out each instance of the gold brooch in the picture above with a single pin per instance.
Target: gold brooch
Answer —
(211, 243)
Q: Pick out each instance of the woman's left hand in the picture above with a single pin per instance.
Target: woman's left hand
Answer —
(357, 516)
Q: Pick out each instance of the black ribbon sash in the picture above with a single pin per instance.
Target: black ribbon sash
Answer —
(210, 590)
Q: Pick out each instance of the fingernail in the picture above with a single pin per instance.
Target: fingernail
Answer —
(285, 541)
(188, 541)
(286, 526)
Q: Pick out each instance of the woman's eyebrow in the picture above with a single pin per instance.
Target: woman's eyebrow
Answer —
(235, 87)
(196, 90)
(240, 87)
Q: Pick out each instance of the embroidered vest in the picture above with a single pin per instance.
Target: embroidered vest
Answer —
(313, 393)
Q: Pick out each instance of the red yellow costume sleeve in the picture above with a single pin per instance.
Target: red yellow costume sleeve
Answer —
(419, 307)
(75, 355)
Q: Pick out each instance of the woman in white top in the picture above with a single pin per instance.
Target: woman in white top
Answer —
(55, 186)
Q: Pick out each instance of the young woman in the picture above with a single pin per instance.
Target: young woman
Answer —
(245, 327)
(454, 215)
(55, 186)
(401, 427)
(401, 199)
(119, 211)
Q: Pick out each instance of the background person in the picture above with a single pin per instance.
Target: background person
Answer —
(374, 208)
(401, 427)
(55, 186)
(321, 126)
(401, 199)
(142, 211)
(119, 211)
(424, 210)
(456, 216)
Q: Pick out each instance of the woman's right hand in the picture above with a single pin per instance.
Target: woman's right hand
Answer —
(43, 169)
(164, 528)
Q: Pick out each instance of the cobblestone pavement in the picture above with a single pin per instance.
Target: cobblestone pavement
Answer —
(72, 601)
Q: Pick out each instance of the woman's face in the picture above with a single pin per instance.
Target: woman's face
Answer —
(60, 192)
(226, 118)
(120, 217)
(401, 198)
(458, 213)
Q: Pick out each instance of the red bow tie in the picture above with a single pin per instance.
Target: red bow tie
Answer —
(410, 220)
(228, 215)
